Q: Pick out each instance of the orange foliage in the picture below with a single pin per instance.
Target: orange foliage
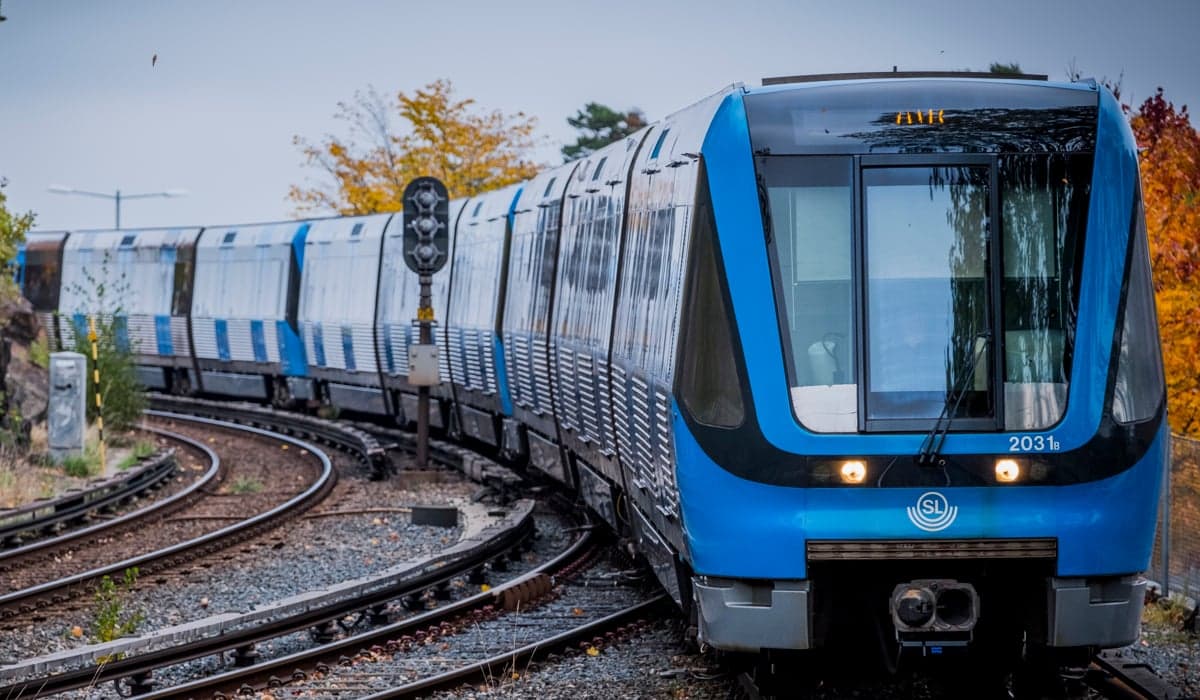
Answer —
(442, 136)
(1170, 161)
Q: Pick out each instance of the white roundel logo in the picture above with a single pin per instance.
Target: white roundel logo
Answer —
(933, 512)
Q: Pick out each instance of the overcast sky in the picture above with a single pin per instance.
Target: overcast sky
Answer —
(235, 80)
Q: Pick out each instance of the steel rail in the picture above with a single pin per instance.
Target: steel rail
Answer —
(42, 515)
(163, 507)
(287, 664)
(28, 599)
(430, 573)
(494, 665)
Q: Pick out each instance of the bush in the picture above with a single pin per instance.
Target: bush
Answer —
(123, 396)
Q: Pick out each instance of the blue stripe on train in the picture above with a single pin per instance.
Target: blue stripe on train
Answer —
(318, 335)
(162, 335)
(291, 351)
(221, 327)
(257, 341)
(387, 348)
(348, 348)
(121, 332)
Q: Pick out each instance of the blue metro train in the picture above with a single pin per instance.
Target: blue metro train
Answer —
(839, 354)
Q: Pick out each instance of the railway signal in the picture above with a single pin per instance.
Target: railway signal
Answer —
(426, 250)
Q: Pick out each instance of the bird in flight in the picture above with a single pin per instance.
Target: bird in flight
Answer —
(153, 60)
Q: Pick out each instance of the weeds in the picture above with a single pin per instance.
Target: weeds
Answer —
(82, 466)
(141, 450)
(245, 485)
(113, 619)
(1162, 620)
(39, 352)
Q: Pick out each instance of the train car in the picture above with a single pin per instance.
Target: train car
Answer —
(918, 393)
(585, 294)
(474, 317)
(143, 276)
(39, 277)
(396, 329)
(871, 359)
(337, 308)
(244, 312)
(525, 325)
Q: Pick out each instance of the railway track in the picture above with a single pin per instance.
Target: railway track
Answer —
(29, 554)
(61, 589)
(515, 602)
(50, 516)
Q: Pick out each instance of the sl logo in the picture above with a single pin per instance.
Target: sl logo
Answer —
(933, 512)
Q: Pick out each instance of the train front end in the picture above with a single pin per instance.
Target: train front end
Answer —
(929, 404)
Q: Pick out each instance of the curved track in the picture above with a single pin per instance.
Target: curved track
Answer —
(59, 590)
(50, 515)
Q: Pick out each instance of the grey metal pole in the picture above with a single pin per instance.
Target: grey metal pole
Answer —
(118, 199)
(424, 313)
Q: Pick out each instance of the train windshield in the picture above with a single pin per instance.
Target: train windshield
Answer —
(919, 288)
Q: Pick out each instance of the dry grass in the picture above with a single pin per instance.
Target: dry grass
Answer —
(21, 482)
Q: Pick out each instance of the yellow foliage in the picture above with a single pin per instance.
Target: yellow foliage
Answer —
(1170, 163)
(442, 136)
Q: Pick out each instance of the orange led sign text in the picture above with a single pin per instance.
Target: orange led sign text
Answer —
(919, 117)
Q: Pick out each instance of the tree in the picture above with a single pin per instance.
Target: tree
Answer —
(442, 136)
(1170, 164)
(13, 228)
(122, 396)
(600, 126)
(1013, 68)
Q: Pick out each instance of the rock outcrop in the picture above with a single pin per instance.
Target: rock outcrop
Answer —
(25, 384)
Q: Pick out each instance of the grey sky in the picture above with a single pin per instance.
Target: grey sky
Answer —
(80, 104)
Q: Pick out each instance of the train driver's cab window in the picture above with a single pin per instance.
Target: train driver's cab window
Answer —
(810, 202)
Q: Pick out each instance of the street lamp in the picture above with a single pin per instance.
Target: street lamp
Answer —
(117, 196)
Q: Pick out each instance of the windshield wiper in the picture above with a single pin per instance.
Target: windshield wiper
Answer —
(933, 442)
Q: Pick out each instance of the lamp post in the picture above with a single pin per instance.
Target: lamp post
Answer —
(117, 196)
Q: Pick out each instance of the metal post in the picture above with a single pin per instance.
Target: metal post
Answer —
(118, 200)
(424, 321)
(99, 400)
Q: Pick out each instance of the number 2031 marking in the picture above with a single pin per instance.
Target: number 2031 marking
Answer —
(1032, 443)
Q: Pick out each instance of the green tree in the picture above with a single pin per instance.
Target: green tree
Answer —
(599, 126)
(13, 228)
(439, 135)
(1013, 68)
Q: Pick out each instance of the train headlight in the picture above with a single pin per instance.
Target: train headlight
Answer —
(1007, 471)
(853, 471)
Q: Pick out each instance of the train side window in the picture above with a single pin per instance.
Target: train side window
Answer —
(708, 383)
(1140, 382)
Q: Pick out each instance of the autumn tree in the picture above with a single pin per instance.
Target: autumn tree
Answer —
(1170, 163)
(428, 132)
(13, 228)
(599, 126)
